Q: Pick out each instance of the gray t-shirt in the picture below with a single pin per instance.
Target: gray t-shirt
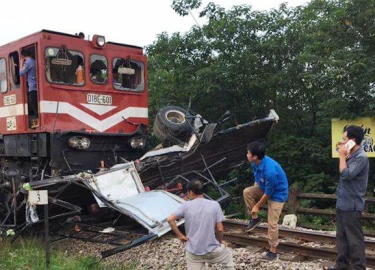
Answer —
(201, 216)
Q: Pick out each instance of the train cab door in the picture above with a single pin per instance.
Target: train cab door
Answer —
(14, 104)
(29, 85)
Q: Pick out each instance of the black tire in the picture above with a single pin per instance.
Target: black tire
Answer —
(159, 133)
(166, 139)
(171, 121)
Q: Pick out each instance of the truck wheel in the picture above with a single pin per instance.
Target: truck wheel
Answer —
(166, 139)
(159, 133)
(172, 121)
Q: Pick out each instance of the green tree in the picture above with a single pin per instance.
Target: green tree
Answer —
(310, 63)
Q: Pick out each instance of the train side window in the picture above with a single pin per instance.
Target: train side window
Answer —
(65, 66)
(128, 74)
(14, 70)
(3, 76)
(98, 69)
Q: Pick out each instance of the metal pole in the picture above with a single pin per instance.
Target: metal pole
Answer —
(14, 202)
(46, 230)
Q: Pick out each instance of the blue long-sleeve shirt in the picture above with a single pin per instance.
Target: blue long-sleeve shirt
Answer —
(352, 185)
(272, 179)
(29, 69)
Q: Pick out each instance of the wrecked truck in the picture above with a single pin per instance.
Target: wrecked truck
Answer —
(146, 190)
(87, 144)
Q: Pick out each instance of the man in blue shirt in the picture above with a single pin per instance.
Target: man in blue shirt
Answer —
(351, 190)
(28, 69)
(271, 184)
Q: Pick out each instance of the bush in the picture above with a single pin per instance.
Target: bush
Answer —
(30, 254)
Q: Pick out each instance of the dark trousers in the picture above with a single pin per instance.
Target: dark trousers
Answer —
(32, 103)
(350, 240)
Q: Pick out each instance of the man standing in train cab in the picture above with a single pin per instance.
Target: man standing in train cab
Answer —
(350, 192)
(271, 186)
(28, 69)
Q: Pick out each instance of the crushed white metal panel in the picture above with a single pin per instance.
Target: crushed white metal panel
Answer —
(117, 183)
(274, 115)
(172, 149)
(151, 209)
(122, 187)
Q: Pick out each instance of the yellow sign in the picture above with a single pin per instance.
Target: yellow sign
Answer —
(368, 125)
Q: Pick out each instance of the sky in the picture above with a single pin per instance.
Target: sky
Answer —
(131, 22)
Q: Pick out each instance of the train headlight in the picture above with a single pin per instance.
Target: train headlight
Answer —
(85, 143)
(98, 41)
(138, 142)
(74, 142)
(79, 142)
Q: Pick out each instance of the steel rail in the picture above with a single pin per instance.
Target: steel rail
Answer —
(310, 236)
(312, 252)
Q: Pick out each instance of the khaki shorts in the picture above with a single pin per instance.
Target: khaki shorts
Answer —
(221, 254)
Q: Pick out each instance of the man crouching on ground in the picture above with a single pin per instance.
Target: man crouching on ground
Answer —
(270, 185)
(202, 217)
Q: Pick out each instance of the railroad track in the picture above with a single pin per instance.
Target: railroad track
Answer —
(323, 248)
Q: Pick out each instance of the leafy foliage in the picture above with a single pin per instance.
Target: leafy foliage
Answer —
(182, 7)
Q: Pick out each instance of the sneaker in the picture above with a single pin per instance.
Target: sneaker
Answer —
(253, 223)
(270, 256)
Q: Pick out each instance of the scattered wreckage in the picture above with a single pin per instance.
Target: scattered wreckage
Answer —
(86, 145)
(146, 190)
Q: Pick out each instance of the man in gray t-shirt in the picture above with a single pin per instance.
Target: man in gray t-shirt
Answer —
(202, 218)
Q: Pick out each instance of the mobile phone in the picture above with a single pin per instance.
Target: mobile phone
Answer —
(349, 145)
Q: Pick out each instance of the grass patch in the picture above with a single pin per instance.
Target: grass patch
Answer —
(30, 254)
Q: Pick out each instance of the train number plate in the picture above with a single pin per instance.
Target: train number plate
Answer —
(99, 99)
(10, 100)
(11, 123)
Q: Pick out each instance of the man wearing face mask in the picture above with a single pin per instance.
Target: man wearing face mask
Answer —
(354, 169)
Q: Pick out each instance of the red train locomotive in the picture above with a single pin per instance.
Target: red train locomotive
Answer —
(91, 102)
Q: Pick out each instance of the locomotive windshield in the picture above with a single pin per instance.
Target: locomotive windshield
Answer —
(64, 66)
(98, 69)
(128, 74)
